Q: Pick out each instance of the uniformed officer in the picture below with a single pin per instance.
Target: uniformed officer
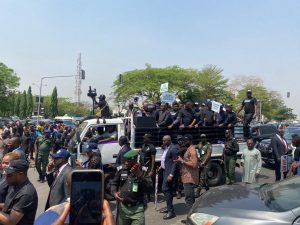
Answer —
(230, 156)
(231, 118)
(43, 147)
(129, 187)
(204, 150)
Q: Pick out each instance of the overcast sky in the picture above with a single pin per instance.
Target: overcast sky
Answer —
(43, 38)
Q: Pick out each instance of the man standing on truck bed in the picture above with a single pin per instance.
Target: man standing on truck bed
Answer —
(250, 107)
(186, 117)
(230, 156)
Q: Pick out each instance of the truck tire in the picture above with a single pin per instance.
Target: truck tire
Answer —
(215, 174)
(108, 176)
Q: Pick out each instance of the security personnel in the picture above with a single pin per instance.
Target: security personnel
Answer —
(231, 118)
(43, 148)
(230, 156)
(204, 150)
(129, 187)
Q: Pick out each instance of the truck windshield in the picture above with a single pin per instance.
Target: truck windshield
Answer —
(282, 196)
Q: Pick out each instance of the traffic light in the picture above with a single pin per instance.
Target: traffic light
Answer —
(82, 74)
(42, 111)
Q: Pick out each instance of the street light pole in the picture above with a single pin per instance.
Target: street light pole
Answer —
(260, 111)
(40, 94)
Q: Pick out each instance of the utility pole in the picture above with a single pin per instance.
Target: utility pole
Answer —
(78, 78)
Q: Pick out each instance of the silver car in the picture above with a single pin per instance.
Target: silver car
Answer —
(245, 204)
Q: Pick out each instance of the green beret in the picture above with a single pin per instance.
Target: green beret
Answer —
(132, 154)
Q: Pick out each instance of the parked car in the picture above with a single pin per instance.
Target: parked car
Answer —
(245, 204)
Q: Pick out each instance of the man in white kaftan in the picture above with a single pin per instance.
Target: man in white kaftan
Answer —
(251, 162)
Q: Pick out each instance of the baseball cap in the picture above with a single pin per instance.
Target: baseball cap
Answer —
(16, 166)
(46, 131)
(132, 154)
(179, 137)
(91, 147)
(228, 106)
(249, 91)
(149, 136)
(188, 137)
(203, 135)
(61, 153)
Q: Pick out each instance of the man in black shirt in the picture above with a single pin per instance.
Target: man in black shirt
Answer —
(250, 106)
(186, 117)
(21, 201)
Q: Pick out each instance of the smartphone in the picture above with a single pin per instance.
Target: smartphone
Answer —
(87, 191)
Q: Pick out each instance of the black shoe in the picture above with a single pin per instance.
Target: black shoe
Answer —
(206, 188)
(169, 216)
(163, 211)
(183, 221)
(179, 195)
(42, 181)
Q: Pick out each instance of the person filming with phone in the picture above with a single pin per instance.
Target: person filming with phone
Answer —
(129, 187)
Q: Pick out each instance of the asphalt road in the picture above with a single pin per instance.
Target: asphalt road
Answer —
(152, 216)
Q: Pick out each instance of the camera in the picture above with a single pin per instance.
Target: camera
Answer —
(92, 93)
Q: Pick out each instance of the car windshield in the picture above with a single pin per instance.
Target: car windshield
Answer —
(282, 196)
(68, 122)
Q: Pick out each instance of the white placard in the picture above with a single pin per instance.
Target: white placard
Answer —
(164, 87)
(215, 106)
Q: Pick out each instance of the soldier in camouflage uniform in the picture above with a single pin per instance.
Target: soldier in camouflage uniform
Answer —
(43, 148)
(204, 152)
(230, 156)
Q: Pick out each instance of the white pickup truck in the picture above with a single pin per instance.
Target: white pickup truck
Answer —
(110, 149)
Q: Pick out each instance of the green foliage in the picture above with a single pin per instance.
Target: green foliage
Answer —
(8, 82)
(271, 102)
(17, 110)
(29, 102)
(186, 83)
(54, 104)
(23, 105)
(64, 106)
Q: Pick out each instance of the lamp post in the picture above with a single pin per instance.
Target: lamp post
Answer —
(40, 92)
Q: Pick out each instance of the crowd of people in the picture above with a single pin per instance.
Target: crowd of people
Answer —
(184, 164)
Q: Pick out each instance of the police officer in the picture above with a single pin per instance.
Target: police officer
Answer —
(129, 187)
(230, 156)
(204, 150)
(43, 147)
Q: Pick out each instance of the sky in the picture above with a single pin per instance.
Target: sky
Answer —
(250, 37)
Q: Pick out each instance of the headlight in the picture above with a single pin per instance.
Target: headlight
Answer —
(203, 219)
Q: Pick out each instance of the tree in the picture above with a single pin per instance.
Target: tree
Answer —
(17, 104)
(54, 102)
(23, 105)
(8, 82)
(185, 83)
(29, 102)
(271, 102)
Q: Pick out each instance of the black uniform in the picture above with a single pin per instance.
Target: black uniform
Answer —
(186, 117)
(249, 108)
(22, 198)
(147, 151)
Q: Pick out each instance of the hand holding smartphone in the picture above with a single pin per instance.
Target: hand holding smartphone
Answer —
(87, 193)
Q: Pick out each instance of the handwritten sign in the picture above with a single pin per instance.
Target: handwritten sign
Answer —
(168, 97)
(215, 106)
(164, 87)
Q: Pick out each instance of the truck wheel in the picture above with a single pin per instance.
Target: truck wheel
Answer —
(215, 174)
(107, 180)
